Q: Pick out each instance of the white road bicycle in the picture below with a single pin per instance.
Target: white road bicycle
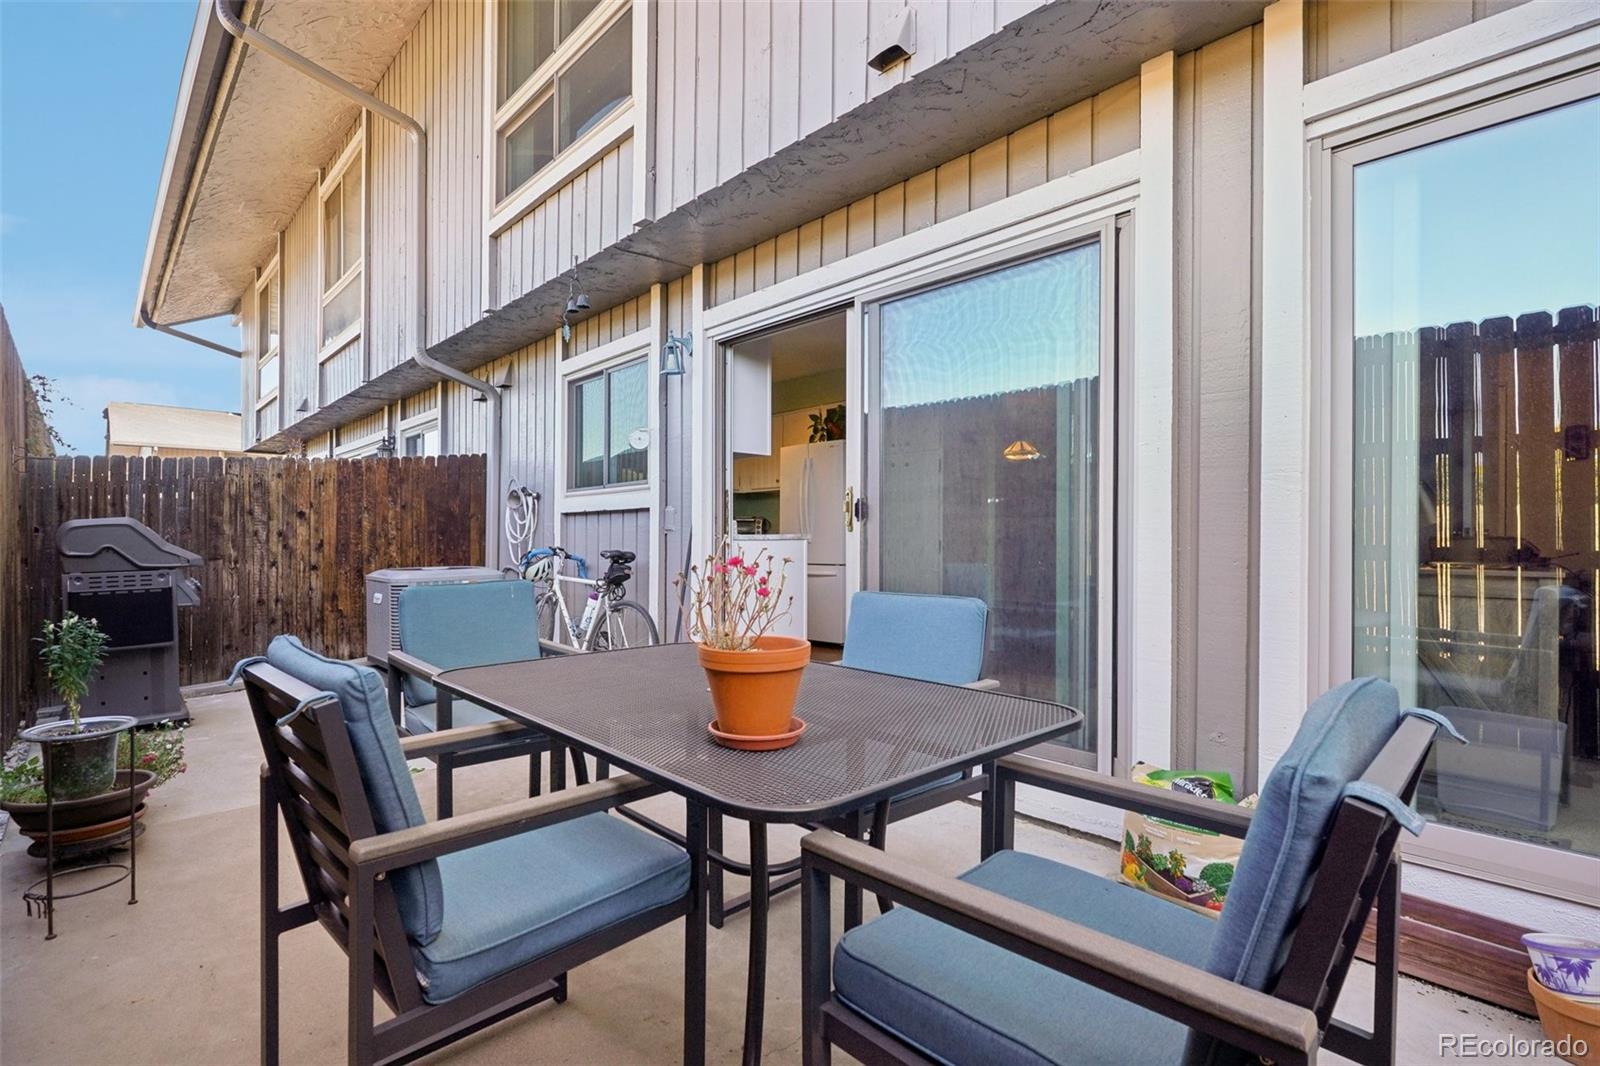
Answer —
(608, 620)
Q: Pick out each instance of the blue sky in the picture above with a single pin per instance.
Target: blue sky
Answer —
(86, 98)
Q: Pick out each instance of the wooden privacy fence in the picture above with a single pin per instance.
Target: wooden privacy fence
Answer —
(286, 543)
(13, 435)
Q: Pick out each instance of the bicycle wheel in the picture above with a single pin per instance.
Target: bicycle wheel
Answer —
(627, 625)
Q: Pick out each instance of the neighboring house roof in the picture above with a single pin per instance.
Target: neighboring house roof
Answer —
(152, 425)
(248, 135)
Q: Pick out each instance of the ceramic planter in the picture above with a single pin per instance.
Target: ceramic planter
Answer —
(753, 691)
(1570, 1022)
(83, 763)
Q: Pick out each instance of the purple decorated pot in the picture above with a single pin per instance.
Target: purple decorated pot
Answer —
(1566, 964)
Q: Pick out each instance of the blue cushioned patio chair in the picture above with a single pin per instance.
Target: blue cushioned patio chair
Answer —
(927, 638)
(1025, 960)
(459, 923)
(446, 626)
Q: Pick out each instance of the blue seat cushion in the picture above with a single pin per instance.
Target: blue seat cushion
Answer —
(425, 717)
(959, 999)
(384, 776)
(514, 900)
(930, 638)
(1341, 734)
(473, 624)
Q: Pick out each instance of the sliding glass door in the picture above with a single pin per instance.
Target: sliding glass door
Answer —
(989, 467)
(1468, 292)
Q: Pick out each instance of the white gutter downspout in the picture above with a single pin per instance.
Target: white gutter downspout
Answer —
(419, 140)
(144, 316)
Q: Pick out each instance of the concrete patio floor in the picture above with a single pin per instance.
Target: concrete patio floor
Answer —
(174, 979)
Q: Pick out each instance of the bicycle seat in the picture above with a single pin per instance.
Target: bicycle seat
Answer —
(621, 558)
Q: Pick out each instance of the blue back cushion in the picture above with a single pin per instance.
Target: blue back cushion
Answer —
(387, 781)
(476, 624)
(1339, 737)
(930, 638)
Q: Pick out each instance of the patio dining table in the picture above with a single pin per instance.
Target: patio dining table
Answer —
(868, 737)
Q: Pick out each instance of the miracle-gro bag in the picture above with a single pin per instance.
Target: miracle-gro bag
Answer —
(1189, 866)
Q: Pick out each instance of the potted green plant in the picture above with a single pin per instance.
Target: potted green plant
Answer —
(83, 750)
(754, 676)
(160, 758)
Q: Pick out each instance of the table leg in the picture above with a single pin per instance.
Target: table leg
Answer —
(558, 767)
(715, 876)
(852, 893)
(444, 794)
(878, 837)
(694, 939)
(756, 987)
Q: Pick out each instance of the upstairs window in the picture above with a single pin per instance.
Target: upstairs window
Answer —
(269, 319)
(564, 68)
(343, 223)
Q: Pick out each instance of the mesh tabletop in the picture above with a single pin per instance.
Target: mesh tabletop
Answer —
(867, 735)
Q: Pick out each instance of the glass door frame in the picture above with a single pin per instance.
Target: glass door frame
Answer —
(1535, 867)
(864, 455)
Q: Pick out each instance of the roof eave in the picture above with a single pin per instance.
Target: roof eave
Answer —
(203, 67)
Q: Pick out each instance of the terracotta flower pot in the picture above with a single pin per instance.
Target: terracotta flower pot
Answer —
(1572, 1022)
(753, 691)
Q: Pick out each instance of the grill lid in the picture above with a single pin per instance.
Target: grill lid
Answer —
(98, 545)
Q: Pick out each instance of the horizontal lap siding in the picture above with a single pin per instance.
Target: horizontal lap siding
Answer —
(1090, 131)
(1341, 34)
(738, 81)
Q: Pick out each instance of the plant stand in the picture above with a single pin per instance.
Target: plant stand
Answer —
(47, 902)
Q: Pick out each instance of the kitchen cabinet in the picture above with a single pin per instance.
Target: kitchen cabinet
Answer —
(759, 473)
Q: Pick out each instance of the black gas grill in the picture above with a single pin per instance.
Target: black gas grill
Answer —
(122, 574)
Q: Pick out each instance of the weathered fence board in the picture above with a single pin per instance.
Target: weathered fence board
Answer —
(13, 579)
(286, 544)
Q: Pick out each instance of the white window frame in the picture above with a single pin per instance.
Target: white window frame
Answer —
(263, 284)
(420, 425)
(1304, 621)
(354, 155)
(635, 496)
(504, 207)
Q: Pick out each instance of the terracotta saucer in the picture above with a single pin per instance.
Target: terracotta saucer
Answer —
(767, 743)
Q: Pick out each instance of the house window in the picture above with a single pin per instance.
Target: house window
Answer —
(564, 68)
(343, 218)
(420, 440)
(608, 419)
(1469, 285)
(269, 317)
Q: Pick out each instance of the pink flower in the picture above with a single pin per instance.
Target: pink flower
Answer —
(763, 581)
(750, 570)
(737, 560)
(763, 592)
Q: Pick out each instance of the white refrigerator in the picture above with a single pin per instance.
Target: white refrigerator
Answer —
(811, 503)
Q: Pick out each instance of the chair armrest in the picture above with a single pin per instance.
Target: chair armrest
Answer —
(403, 847)
(987, 684)
(460, 738)
(1241, 1016)
(411, 666)
(1125, 795)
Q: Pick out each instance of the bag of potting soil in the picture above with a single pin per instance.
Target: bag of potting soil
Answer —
(1189, 866)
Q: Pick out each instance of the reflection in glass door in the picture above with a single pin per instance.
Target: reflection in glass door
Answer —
(1474, 279)
(987, 458)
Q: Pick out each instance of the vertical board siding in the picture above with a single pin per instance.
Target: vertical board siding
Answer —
(740, 80)
(677, 458)
(299, 310)
(1341, 34)
(1090, 131)
(571, 224)
(341, 371)
(590, 534)
(15, 645)
(1215, 422)
(420, 403)
(361, 428)
(437, 77)
(285, 544)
